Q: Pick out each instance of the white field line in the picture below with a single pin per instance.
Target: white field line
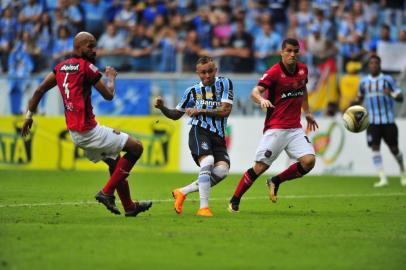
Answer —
(322, 196)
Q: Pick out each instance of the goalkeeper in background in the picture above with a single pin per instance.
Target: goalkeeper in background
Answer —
(378, 92)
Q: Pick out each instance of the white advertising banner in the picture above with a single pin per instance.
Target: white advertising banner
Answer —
(339, 152)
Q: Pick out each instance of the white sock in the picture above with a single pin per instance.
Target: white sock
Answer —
(378, 164)
(192, 187)
(206, 166)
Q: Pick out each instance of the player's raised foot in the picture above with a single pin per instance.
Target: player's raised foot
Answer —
(273, 189)
(204, 212)
(234, 205)
(179, 199)
(108, 200)
(381, 184)
(403, 179)
(139, 207)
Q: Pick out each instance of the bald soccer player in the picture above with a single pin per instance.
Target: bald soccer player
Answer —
(75, 77)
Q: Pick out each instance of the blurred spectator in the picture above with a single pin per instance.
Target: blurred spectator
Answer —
(44, 40)
(140, 48)
(384, 36)
(20, 64)
(394, 12)
(73, 12)
(304, 18)
(63, 45)
(125, 18)
(29, 15)
(279, 18)
(166, 45)
(95, 11)
(326, 27)
(153, 9)
(203, 27)
(222, 29)
(191, 50)
(266, 48)
(111, 48)
(318, 46)
(238, 55)
(402, 35)
(349, 84)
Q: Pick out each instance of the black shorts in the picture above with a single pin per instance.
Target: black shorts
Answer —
(387, 132)
(203, 142)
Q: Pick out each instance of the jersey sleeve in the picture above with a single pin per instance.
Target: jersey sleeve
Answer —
(266, 79)
(361, 89)
(92, 73)
(187, 100)
(228, 93)
(390, 83)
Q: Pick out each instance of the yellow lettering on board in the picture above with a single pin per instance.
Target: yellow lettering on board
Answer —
(20, 155)
(157, 154)
(8, 142)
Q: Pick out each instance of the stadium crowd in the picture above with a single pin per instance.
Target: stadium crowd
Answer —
(166, 36)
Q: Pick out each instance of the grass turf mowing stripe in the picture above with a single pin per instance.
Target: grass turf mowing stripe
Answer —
(322, 196)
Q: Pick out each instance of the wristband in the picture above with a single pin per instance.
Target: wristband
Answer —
(29, 114)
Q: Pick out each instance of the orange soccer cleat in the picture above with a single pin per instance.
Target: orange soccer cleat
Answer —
(179, 199)
(204, 212)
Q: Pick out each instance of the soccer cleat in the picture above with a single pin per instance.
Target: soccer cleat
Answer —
(273, 190)
(179, 199)
(381, 184)
(403, 179)
(139, 207)
(204, 212)
(108, 201)
(233, 207)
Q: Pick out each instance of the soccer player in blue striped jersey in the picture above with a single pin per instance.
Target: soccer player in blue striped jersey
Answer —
(378, 92)
(209, 104)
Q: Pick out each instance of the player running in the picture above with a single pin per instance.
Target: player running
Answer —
(75, 77)
(285, 83)
(209, 104)
(378, 91)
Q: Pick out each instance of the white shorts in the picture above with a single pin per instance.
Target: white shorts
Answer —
(100, 143)
(294, 141)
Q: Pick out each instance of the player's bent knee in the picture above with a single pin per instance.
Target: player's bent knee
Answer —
(219, 173)
(308, 162)
(207, 161)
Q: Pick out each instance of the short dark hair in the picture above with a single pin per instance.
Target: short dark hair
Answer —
(374, 56)
(290, 41)
(204, 60)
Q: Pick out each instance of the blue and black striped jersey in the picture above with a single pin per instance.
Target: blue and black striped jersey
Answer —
(208, 97)
(378, 104)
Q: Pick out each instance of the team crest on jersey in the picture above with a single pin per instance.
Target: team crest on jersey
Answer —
(204, 146)
(93, 68)
(283, 75)
(301, 72)
(72, 67)
(209, 95)
(198, 96)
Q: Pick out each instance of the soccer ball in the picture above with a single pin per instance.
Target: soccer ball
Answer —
(356, 119)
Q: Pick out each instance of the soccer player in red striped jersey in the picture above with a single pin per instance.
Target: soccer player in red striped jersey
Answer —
(285, 83)
(75, 77)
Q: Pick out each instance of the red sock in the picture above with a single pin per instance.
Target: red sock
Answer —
(123, 190)
(120, 173)
(245, 183)
(294, 171)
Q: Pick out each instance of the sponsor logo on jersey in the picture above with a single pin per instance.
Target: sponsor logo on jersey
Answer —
(204, 146)
(292, 94)
(202, 102)
(69, 67)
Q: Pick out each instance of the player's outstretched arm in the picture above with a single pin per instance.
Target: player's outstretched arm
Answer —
(257, 97)
(107, 90)
(223, 111)
(48, 83)
(170, 113)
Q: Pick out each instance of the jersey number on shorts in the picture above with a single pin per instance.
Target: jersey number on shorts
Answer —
(66, 85)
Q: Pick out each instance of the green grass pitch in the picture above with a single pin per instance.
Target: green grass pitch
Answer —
(49, 220)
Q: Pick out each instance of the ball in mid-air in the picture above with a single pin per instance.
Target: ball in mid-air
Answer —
(356, 119)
